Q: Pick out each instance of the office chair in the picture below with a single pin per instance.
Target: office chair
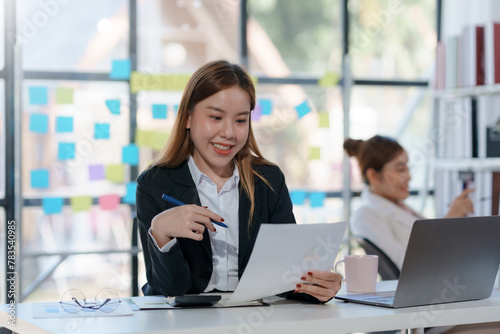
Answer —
(386, 268)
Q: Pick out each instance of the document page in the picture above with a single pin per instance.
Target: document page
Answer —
(285, 252)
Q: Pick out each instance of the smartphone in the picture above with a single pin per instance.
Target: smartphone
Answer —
(195, 300)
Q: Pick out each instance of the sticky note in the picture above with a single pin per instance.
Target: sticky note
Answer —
(38, 95)
(159, 111)
(113, 106)
(52, 205)
(298, 197)
(314, 153)
(144, 138)
(324, 120)
(317, 199)
(176, 108)
(130, 194)
(81, 203)
(39, 123)
(120, 69)
(64, 124)
(96, 172)
(267, 106)
(130, 155)
(40, 178)
(101, 131)
(256, 113)
(303, 109)
(159, 139)
(115, 173)
(109, 202)
(66, 151)
(330, 79)
(64, 95)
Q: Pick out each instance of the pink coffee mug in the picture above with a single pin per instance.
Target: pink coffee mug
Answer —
(360, 272)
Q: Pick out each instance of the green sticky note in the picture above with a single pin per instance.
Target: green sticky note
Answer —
(81, 203)
(314, 153)
(144, 138)
(330, 79)
(324, 120)
(159, 139)
(64, 95)
(115, 173)
(149, 81)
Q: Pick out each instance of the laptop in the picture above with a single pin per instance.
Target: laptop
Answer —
(447, 260)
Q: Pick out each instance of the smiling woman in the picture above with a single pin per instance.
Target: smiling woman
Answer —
(212, 163)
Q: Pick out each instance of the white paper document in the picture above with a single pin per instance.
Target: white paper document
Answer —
(285, 252)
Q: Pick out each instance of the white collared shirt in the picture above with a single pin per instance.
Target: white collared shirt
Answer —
(224, 242)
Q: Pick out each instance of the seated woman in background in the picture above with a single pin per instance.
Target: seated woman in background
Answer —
(383, 217)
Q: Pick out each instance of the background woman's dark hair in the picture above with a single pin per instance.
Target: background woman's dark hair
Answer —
(372, 153)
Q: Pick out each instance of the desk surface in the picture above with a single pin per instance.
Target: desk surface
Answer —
(286, 317)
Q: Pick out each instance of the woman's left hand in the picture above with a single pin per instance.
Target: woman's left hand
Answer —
(323, 285)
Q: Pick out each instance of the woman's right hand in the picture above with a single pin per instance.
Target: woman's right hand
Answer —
(462, 205)
(186, 221)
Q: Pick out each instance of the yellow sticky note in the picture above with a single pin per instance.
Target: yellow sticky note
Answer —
(314, 153)
(149, 81)
(324, 120)
(330, 79)
(81, 203)
(255, 80)
(115, 173)
(159, 140)
(64, 95)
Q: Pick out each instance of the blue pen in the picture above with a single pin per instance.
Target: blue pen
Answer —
(175, 201)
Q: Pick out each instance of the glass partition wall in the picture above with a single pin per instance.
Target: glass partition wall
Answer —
(85, 124)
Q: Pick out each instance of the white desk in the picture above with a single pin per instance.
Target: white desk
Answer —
(334, 317)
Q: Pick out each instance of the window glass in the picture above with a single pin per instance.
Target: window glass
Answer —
(78, 35)
(392, 39)
(3, 240)
(331, 212)
(403, 113)
(182, 35)
(2, 34)
(78, 133)
(294, 36)
(307, 150)
(2, 138)
(87, 273)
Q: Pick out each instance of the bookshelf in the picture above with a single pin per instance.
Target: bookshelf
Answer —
(466, 117)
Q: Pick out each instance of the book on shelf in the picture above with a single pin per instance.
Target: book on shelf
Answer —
(470, 59)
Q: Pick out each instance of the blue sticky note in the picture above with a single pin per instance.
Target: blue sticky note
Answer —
(66, 151)
(38, 95)
(303, 109)
(130, 194)
(267, 106)
(159, 111)
(39, 123)
(130, 155)
(176, 107)
(317, 199)
(40, 178)
(120, 69)
(52, 205)
(101, 131)
(113, 106)
(64, 124)
(298, 197)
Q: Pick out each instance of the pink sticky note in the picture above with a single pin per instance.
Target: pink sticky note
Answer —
(109, 202)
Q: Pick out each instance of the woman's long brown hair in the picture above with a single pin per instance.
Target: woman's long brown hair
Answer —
(208, 80)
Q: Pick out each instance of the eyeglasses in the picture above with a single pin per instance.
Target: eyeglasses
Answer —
(106, 300)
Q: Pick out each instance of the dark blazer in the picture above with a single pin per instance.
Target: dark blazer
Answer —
(187, 267)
